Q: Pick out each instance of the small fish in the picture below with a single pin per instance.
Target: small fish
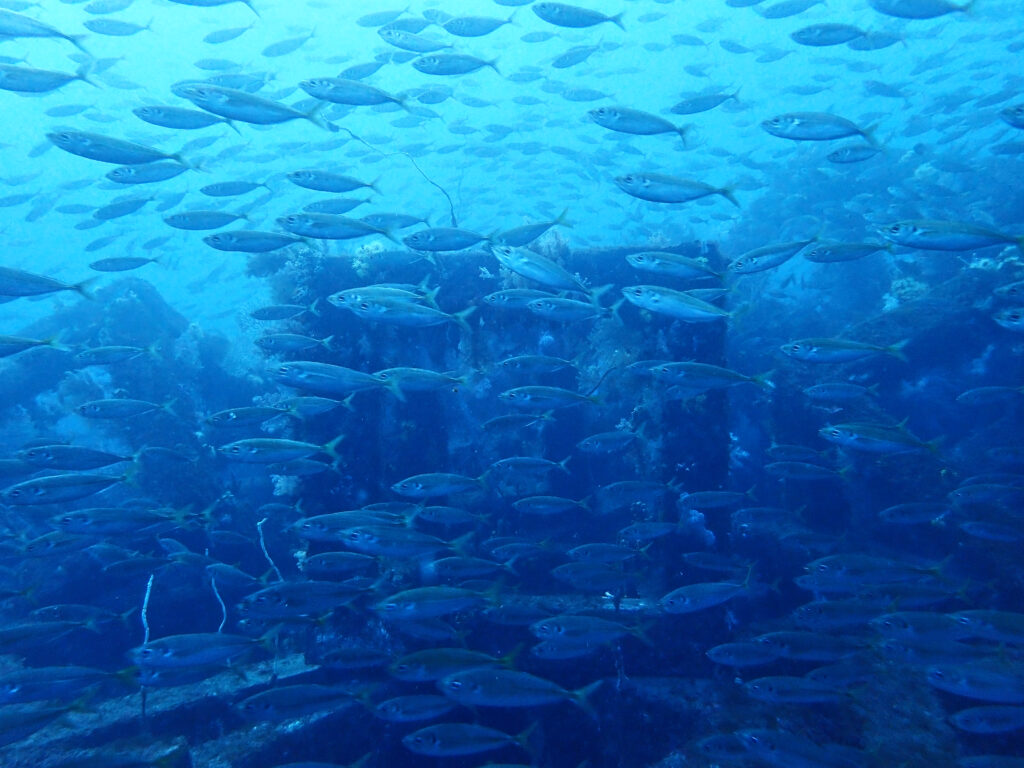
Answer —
(244, 107)
(439, 239)
(291, 701)
(107, 149)
(660, 188)
(30, 80)
(677, 304)
(413, 708)
(813, 126)
(457, 739)
(946, 235)
(697, 597)
(633, 121)
(671, 265)
(267, 450)
(918, 9)
(435, 484)
(574, 17)
(251, 241)
(473, 26)
(819, 35)
(56, 489)
(325, 181)
(702, 102)
(201, 220)
(179, 117)
(14, 25)
(497, 687)
(875, 438)
(452, 64)
(122, 263)
(338, 90)
(783, 689)
(839, 350)
(828, 253)
(853, 153)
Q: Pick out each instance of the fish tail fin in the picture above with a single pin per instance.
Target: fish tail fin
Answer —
(252, 8)
(493, 64)
(614, 310)
(581, 697)
(317, 119)
(764, 380)
(231, 124)
(562, 221)
(896, 350)
(56, 342)
(640, 632)
(76, 40)
(82, 73)
(84, 288)
(869, 135)
(727, 193)
(327, 343)
(617, 21)
(331, 448)
(682, 130)
(596, 294)
(182, 160)
(395, 388)
(168, 407)
(523, 738)
(460, 318)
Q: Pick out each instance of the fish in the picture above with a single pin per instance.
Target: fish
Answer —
(919, 9)
(107, 149)
(840, 350)
(452, 64)
(702, 102)
(497, 687)
(661, 188)
(457, 739)
(946, 235)
(633, 121)
(267, 450)
(413, 708)
(820, 35)
(56, 489)
(251, 241)
(814, 126)
(15, 25)
(573, 17)
(179, 117)
(677, 304)
(235, 104)
(31, 80)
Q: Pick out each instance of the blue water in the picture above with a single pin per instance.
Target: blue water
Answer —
(98, 580)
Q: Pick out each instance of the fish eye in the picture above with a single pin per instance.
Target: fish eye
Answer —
(835, 432)
(454, 685)
(364, 306)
